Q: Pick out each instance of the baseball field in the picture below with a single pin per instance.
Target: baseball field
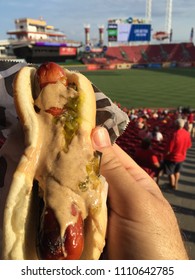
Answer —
(150, 88)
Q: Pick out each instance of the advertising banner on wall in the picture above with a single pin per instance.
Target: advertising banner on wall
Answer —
(67, 51)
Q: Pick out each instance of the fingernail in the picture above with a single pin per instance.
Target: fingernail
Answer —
(101, 138)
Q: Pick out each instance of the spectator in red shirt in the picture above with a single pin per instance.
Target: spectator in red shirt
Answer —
(178, 145)
(146, 158)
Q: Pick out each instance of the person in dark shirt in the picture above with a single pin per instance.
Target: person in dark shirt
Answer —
(143, 130)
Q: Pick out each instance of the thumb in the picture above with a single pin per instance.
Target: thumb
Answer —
(121, 183)
(111, 166)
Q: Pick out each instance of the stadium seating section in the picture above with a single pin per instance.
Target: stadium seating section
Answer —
(130, 140)
(144, 54)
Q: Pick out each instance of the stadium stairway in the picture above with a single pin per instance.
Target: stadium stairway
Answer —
(183, 200)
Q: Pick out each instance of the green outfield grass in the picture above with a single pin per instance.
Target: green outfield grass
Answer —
(157, 88)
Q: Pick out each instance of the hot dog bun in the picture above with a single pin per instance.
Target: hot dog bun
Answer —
(64, 166)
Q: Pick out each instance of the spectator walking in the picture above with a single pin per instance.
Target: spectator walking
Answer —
(177, 148)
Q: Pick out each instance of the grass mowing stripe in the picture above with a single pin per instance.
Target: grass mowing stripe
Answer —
(147, 88)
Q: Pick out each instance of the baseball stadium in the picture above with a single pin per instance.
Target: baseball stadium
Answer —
(153, 82)
(151, 79)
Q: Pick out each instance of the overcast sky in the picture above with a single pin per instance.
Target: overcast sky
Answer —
(71, 15)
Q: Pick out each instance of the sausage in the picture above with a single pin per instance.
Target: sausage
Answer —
(50, 73)
(54, 247)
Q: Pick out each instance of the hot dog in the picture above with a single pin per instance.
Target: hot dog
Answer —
(56, 207)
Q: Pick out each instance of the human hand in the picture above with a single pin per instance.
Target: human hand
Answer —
(141, 222)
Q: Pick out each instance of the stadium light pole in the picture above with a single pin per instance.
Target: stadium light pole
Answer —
(149, 10)
(168, 19)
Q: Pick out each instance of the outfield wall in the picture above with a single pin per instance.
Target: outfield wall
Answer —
(122, 66)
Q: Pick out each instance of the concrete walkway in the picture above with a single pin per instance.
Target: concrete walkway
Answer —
(183, 200)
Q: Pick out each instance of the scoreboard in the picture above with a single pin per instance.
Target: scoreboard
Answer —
(129, 30)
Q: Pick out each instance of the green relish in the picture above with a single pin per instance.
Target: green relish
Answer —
(92, 169)
(70, 119)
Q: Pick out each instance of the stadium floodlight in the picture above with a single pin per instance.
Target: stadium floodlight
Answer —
(149, 10)
(168, 19)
